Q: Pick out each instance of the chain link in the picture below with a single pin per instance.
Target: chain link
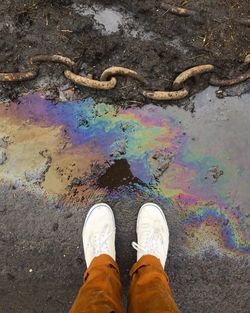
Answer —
(19, 76)
(178, 83)
(176, 10)
(191, 72)
(215, 81)
(166, 95)
(118, 70)
(243, 21)
(89, 82)
(55, 58)
(108, 80)
(185, 12)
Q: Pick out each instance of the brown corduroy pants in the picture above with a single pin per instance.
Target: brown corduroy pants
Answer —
(102, 291)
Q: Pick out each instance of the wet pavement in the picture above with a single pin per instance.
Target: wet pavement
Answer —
(57, 159)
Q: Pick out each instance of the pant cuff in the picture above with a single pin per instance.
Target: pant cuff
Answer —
(99, 261)
(146, 260)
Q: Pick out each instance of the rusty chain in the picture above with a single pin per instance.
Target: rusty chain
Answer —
(108, 80)
(19, 76)
(186, 12)
(56, 58)
(214, 81)
(176, 10)
(90, 82)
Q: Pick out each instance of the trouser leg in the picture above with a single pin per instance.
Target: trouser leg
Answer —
(101, 291)
(150, 291)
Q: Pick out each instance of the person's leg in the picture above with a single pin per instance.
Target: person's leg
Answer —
(101, 290)
(150, 291)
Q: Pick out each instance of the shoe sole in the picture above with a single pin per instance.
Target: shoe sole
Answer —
(93, 208)
(157, 207)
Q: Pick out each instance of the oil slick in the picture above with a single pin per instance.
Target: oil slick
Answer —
(205, 179)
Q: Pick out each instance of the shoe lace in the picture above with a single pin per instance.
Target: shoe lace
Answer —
(99, 241)
(151, 245)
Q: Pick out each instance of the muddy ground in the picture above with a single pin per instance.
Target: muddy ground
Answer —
(147, 38)
(41, 253)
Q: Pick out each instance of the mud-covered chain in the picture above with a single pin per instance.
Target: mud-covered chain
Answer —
(180, 88)
(186, 12)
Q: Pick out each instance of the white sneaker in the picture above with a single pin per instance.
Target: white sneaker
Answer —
(152, 233)
(98, 233)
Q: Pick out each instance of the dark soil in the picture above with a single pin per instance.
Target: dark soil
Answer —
(29, 27)
(118, 174)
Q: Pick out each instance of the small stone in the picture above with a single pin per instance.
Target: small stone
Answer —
(83, 122)
(68, 215)
(79, 260)
(10, 276)
(30, 270)
(220, 94)
(38, 175)
(214, 173)
(55, 226)
(3, 157)
(4, 141)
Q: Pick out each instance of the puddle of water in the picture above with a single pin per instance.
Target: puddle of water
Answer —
(113, 19)
(198, 162)
(110, 18)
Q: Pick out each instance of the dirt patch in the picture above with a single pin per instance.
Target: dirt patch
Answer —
(118, 174)
(142, 36)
